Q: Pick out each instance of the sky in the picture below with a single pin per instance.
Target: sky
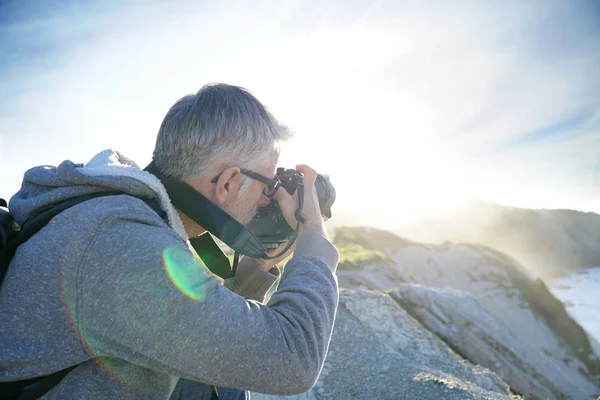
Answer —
(407, 105)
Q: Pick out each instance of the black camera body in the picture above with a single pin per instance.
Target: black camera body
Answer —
(270, 225)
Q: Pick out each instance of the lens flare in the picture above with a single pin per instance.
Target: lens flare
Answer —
(186, 273)
(188, 279)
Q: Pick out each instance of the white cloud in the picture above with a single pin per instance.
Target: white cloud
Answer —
(403, 103)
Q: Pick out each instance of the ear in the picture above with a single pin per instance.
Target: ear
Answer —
(228, 185)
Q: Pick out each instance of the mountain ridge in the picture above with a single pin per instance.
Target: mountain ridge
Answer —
(550, 243)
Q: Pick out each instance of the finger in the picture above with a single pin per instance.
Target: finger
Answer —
(288, 251)
(279, 248)
(283, 197)
(306, 170)
(274, 251)
(288, 205)
(310, 174)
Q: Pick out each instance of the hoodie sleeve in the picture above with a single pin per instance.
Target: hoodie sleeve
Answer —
(250, 281)
(142, 297)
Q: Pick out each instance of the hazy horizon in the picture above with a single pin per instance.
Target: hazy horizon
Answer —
(409, 106)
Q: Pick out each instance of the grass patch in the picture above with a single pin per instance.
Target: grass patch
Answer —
(355, 256)
(369, 238)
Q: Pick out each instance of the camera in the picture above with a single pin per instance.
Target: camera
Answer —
(270, 225)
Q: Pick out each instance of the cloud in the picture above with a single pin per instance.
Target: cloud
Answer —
(425, 101)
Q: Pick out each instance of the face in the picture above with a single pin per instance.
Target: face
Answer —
(245, 207)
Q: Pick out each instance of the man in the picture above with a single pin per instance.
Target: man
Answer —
(113, 287)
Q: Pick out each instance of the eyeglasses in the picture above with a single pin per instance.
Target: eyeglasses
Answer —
(269, 190)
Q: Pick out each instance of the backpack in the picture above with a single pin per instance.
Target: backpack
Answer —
(11, 236)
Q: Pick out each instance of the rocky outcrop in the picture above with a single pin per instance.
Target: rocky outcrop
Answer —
(452, 321)
(459, 319)
(495, 315)
(379, 351)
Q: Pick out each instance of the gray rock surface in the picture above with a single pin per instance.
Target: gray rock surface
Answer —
(416, 315)
(518, 318)
(553, 347)
(378, 351)
(459, 319)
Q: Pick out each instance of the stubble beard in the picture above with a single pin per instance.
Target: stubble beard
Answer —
(243, 211)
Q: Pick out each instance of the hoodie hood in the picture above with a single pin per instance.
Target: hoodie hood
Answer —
(107, 171)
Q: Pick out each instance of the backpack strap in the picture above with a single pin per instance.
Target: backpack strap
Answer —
(32, 389)
(36, 222)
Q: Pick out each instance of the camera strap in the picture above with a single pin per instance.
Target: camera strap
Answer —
(213, 257)
(209, 215)
(219, 223)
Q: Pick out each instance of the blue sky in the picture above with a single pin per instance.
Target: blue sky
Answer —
(407, 104)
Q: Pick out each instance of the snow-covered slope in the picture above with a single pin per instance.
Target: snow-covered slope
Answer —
(579, 293)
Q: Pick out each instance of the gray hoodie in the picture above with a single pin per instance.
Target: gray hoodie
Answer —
(111, 286)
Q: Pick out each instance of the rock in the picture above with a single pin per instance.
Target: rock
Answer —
(533, 325)
(459, 319)
(381, 352)
(539, 331)
(451, 315)
(379, 276)
(378, 351)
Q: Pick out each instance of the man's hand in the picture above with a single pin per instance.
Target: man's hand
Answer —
(266, 265)
(311, 212)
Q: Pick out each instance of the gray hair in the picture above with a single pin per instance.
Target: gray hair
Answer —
(220, 125)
